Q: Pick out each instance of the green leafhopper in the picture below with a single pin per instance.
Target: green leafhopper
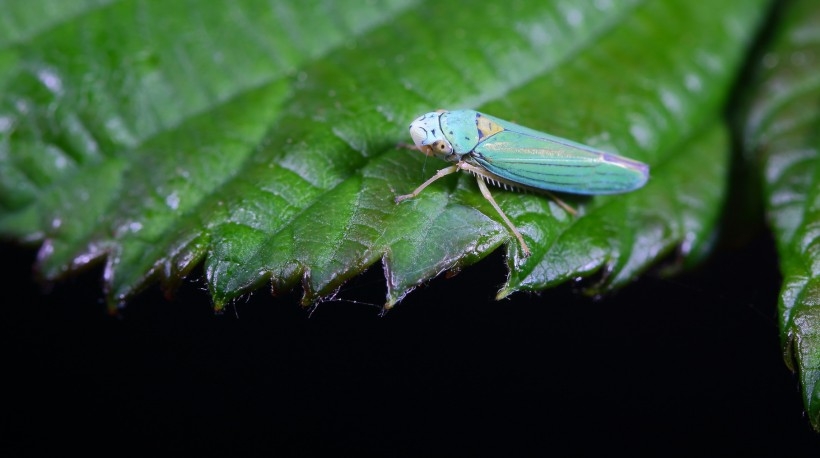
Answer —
(516, 157)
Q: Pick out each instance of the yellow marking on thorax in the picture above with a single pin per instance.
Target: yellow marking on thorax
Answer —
(486, 127)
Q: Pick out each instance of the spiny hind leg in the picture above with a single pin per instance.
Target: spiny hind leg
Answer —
(479, 172)
(486, 192)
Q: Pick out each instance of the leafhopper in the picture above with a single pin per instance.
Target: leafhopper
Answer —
(515, 157)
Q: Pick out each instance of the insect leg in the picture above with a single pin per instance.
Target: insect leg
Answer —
(477, 171)
(567, 208)
(486, 192)
(441, 173)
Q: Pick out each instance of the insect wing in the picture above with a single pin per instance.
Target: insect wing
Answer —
(537, 160)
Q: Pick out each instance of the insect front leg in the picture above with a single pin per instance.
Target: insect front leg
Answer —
(441, 173)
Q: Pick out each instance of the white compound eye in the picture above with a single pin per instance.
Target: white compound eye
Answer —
(442, 147)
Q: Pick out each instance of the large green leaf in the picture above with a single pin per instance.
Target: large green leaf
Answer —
(782, 132)
(260, 136)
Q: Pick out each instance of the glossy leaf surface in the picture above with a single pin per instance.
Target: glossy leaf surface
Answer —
(782, 133)
(157, 135)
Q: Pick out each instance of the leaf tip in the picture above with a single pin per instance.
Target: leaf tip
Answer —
(503, 293)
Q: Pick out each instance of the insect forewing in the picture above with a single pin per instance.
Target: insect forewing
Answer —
(542, 161)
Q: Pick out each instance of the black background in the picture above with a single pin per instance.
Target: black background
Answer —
(688, 365)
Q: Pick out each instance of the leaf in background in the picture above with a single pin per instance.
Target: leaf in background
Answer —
(782, 133)
(259, 137)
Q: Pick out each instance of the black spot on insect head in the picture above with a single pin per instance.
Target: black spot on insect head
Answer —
(466, 137)
(451, 132)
